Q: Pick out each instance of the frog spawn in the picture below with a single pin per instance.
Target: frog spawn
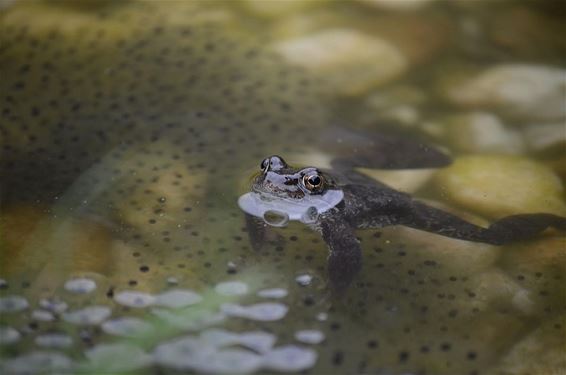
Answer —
(139, 157)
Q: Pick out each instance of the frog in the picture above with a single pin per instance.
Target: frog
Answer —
(337, 202)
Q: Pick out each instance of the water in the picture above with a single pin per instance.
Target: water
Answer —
(129, 131)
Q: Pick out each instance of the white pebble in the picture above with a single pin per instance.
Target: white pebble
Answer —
(177, 298)
(304, 280)
(80, 285)
(309, 336)
(261, 311)
(290, 358)
(42, 315)
(180, 319)
(53, 304)
(12, 304)
(113, 358)
(272, 293)
(134, 299)
(228, 361)
(92, 315)
(9, 335)
(38, 362)
(231, 288)
(127, 327)
(322, 317)
(54, 340)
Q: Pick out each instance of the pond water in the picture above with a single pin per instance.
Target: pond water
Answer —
(129, 130)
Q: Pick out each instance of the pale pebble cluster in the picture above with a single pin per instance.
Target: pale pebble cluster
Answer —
(212, 352)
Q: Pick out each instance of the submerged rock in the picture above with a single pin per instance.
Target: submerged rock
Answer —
(521, 91)
(351, 61)
(482, 132)
(497, 185)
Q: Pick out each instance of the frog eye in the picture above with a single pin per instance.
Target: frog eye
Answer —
(264, 165)
(312, 181)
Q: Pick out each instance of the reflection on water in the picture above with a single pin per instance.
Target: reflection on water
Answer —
(127, 130)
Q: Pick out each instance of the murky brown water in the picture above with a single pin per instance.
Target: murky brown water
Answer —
(129, 129)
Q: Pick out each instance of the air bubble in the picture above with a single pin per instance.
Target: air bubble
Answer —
(276, 218)
(310, 215)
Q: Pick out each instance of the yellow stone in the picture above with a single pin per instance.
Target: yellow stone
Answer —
(497, 185)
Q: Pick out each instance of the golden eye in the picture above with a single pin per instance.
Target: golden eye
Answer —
(312, 182)
(264, 165)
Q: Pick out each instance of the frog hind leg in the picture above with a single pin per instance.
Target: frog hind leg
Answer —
(507, 229)
(345, 258)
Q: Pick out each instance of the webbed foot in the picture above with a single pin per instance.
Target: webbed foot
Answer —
(380, 151)
(345, 259)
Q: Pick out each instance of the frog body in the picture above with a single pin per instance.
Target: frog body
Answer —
(343, 206)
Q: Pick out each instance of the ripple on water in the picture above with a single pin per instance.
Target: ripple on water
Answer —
(127, 327)
(265, 312)
(92, 315)
(80, 285)
(9, 335)
(273, 293)
(232, 288)
(54, 340)
(10, 304)
(37, 362)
